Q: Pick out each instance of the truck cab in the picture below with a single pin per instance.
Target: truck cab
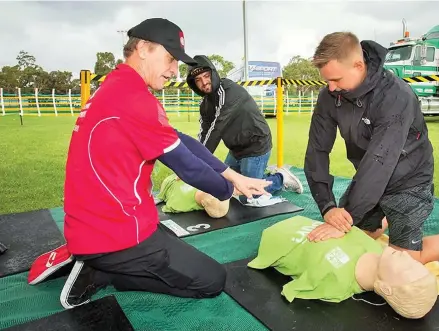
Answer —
(410, 57)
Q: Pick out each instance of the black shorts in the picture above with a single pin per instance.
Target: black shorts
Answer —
(406, 212)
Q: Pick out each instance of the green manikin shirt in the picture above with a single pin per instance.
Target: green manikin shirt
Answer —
(320, 270)
(178, 196)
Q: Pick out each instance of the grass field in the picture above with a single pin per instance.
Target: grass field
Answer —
(33, 156)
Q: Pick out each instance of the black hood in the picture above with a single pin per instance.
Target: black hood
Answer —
(204, 63)
(374, 55)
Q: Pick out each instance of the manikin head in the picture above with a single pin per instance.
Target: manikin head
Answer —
(339, 58)
(406, 284)
(213, 207)
(154, 48)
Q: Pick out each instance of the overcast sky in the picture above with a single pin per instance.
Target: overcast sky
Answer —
(66, 35)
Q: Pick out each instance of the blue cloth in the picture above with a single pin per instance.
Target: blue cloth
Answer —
(255, 167)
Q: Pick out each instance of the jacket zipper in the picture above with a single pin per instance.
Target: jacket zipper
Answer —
(352, 122)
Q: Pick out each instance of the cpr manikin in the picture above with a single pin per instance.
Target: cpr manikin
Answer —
(406, 284)
(336, 269)
(180, 197)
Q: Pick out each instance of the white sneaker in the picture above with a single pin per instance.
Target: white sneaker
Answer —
(290, 180)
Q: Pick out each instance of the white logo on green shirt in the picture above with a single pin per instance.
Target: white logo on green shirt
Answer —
(337, 257)
(304, 231)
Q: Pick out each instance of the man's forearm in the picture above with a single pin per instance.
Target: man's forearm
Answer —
(199, 150)
(195, 172)
(230, 175)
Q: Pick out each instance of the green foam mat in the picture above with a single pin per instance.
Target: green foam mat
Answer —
(20, 302)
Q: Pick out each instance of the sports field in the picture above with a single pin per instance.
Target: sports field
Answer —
(33, 155)
(32, 173)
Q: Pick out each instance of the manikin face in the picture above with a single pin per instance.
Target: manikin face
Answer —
(204, 82)
(406, 284)
(156, 65)
(398, 268)
(343, 75)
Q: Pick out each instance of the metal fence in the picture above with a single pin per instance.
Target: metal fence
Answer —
(37, 104)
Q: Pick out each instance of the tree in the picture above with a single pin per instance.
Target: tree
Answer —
(105, 62)
(9, 78)
(28, 76)
(60, 81)
(183, 70)
(222, 66)
(31, 77)
(301, 68)
(25, 60)
(76, 85)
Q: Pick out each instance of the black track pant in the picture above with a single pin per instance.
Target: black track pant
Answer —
(163, 263)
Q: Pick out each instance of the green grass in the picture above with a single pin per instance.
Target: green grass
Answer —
(33, 156)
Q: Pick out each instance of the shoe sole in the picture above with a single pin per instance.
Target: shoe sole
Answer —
(41, 263)
(300, 191)
(69, 284)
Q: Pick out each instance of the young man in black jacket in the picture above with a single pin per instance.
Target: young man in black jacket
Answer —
(386, 138)
(229, 113)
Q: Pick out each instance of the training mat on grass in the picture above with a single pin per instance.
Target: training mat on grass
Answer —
(99, 315)
(259, 292)
(195, 222)
(26, 235)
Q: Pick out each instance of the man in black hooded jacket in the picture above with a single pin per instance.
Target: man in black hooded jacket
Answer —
(386, 138)
(229, 113)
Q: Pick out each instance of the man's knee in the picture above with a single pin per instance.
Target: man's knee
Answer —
(214, 280)
(374, 235)
(414, 254)
(373, 228)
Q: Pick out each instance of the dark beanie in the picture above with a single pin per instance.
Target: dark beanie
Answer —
(197, 71)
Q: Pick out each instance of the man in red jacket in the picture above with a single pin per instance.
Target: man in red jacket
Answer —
(112, 227)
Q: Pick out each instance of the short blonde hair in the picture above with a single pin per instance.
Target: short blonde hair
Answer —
(413, 300)
(336, 46)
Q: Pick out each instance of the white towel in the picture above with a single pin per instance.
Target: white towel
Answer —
(262, 201)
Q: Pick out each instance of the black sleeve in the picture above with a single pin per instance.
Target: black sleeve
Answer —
(228, 101)
(204, 121)
(322, 135)
(385, 148)
(209, 135)
(196, 172)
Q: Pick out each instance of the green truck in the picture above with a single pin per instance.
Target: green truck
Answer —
(410, 57)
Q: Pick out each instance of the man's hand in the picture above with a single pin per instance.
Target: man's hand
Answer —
(339, 218)
(245, 185)
(324, 232)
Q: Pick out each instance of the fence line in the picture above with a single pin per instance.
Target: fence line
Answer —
(40, 104)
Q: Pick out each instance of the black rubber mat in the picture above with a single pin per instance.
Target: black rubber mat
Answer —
(259, 292)
(26, 236)
(99, 315)
(196, 222)
(3, 249)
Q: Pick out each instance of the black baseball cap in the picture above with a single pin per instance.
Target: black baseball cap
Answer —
(165, 33)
